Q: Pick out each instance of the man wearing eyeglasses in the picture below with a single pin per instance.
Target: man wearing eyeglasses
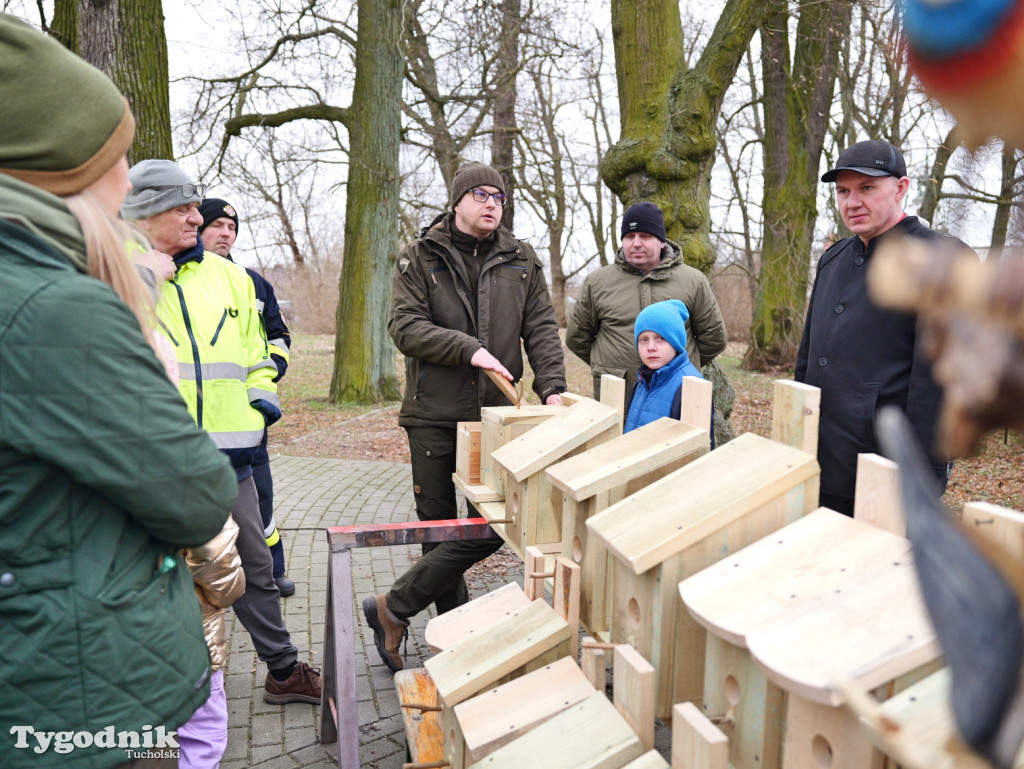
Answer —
(207, 310)
(465, 295)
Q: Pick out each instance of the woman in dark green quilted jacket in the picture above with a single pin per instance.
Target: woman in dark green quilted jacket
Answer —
(103, 475)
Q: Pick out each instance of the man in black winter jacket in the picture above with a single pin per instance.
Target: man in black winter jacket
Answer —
(861, 356)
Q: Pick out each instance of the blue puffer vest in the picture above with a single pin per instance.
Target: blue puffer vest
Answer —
(655, 390)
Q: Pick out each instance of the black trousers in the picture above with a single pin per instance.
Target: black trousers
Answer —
(437, 577)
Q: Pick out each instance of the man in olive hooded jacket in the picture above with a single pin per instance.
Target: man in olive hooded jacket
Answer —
(465, 295)
(648, 268)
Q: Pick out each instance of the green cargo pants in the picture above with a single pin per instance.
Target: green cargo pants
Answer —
(437, 577)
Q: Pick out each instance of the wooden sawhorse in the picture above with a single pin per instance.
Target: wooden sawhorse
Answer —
(339, 719)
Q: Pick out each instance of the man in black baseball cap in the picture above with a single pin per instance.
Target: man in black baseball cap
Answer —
(863, 357)
(871, 158)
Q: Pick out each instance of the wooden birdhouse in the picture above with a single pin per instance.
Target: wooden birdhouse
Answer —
(593, 480)
(692, 518)
(533, 512)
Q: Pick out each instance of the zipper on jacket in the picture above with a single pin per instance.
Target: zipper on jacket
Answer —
(220, 325)
(433, 277)
(195, 354)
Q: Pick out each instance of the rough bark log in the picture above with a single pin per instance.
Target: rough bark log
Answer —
(364, 368)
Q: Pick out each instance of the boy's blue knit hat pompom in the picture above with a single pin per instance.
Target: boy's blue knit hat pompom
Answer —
(667, 320)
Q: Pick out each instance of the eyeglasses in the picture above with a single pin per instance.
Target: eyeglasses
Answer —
(187, 190)
(480, 196)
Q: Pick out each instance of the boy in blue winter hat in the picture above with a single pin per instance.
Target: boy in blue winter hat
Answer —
(660, 336)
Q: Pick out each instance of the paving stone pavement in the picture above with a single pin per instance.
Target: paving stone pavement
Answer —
(311, 494)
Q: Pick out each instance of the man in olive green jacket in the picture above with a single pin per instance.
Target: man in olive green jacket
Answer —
(465, 294)
(647, 269)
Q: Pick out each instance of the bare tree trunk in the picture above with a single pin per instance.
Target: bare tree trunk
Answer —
(796, 108)
(933, 187)
(364, 363)
(503, 139)
(1004, 206)
(126, 40)
(669, 112)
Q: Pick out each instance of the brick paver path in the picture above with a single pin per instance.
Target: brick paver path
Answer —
(310, 495)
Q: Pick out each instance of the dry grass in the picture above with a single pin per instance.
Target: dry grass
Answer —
(313, 427)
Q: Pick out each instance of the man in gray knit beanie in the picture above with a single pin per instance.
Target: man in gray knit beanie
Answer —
(158, 186)
(209, 314)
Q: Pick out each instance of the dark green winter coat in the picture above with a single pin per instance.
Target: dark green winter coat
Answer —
(438, 324)
(103, 478)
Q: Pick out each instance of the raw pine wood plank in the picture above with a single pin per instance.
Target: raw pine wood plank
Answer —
(630, 456)
(592, 556)
(498, 651)
(557, 436)
(460, 623)
(695, 402)
(613, 393)
(467, 452)
(571, 399)
(534, 564)
(870, 635)
(1000, 524)
(566, 598)
(650, 760)
(787, 572)
(696, 742)
(504, 385)
(926, 725)
(498, 426)
(594, 664)
(423, 732)
(477, 493)
(499, 716)
(589, 735)
(796, 410)
(701, 498)
(634, 692)
(734, 686)
(877, 498)
(818, 733)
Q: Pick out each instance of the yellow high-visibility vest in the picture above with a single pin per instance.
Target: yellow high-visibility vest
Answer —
(208, 313)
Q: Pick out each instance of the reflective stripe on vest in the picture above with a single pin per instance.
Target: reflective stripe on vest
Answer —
(242, 439)
(210, 371)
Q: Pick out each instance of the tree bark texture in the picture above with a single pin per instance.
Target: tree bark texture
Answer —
(364, 357)
(669, 112)
(1001, 221)
(797, 97)
(933, 186)
(126, 40)
(503, 139)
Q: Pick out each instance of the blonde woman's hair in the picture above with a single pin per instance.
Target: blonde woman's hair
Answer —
(106, 248)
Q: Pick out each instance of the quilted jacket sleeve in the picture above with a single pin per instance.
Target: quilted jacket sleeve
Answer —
(81, 388)
(216, 567)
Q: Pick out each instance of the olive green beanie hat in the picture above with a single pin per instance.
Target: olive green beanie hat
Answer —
(63, 123)
(471, 175)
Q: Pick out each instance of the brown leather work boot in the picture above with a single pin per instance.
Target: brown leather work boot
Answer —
(388, 630)
(303, 685)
